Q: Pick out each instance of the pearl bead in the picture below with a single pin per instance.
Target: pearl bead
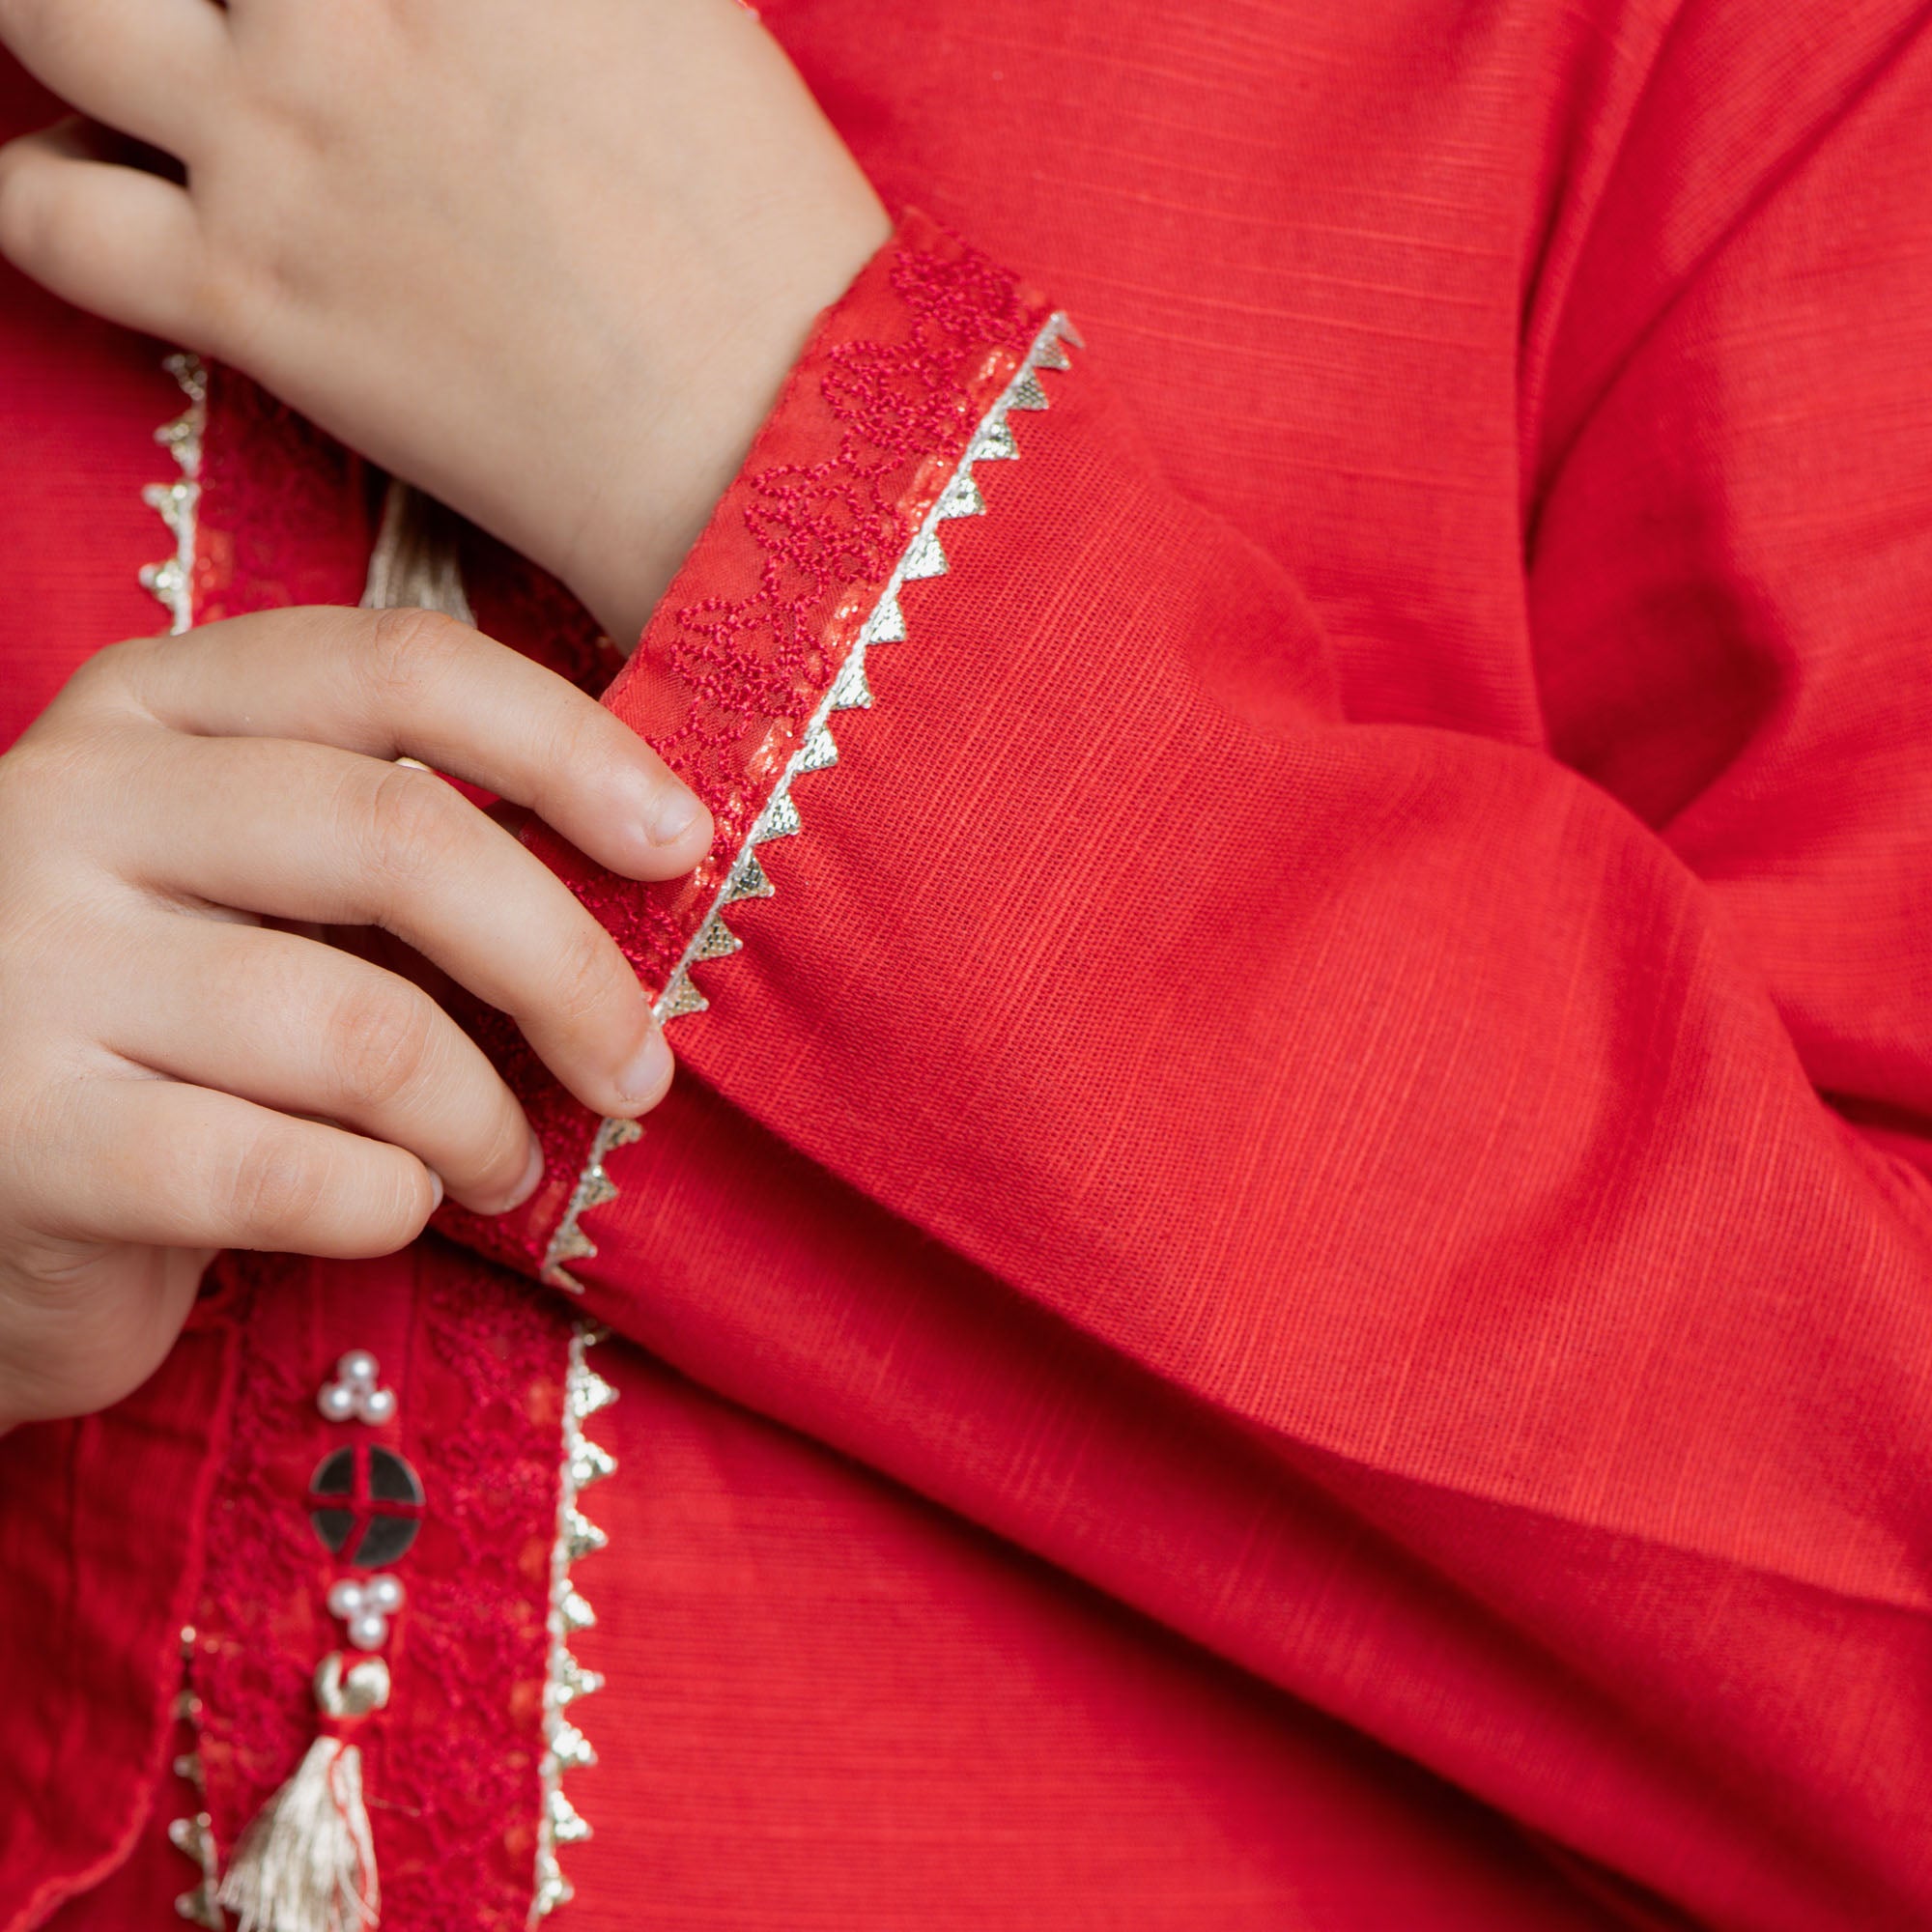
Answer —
(368, 1631)
(347, 1599)
(377, 1406)
(358, 1367)
(337, 1401)
(384, 1594)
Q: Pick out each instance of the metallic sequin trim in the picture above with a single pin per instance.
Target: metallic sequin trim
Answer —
(594, 1187)
(565, 1747)
(194, 1837)
(924, 557)
(179, 502)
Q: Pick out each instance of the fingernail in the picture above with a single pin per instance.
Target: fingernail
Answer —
(533, 1167)
(671, 815)
(435, 1190)
(644, 1078)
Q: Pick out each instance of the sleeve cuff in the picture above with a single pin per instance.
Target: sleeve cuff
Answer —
(906, 384)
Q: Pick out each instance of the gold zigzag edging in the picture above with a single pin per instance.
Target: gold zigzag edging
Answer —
(565, 1747)
(179, 502)
(194, 1836)
(171, 581)
(924, 557)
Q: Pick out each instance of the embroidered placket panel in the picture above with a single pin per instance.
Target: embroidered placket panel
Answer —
(462, 1765)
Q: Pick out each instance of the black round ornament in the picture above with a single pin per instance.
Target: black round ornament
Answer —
(366, 1504)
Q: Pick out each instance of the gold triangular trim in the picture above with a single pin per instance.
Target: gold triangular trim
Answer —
(717, 940)
(572, 1245)
(582, 1537)
(748, 881)
(780, 819)
(588, 1394)
(1028, 394)
(594, 1187)
(994, 444)
(850, 690)
(199, 1908)
(573, 1681)
(962, 497)
(886, 625)
(553, 1888)
(924, 558)
(566, 1826)
(679, 998)
(584, 1462)
(191, 1836)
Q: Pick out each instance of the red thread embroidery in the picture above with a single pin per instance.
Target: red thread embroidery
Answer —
(479, 1629)
(260, 1615)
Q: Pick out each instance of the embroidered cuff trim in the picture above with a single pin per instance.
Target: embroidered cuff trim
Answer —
(172, 582)
(565, 1747)
(992, 440)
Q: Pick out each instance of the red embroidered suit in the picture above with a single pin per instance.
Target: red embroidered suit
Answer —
(1290, 1280)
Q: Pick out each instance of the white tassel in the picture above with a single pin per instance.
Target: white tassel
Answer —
(307, 1862)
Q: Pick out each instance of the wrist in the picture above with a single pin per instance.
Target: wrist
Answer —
(651, 495)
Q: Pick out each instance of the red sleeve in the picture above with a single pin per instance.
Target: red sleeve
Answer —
(1359, 1192)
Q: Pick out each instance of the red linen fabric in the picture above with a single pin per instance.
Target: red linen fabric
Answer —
(1342, 1058)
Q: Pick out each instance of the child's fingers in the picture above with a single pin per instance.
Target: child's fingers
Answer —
(153, 1162)
(116, 240)
(389, 682)
(310, 833)
(305, 1029)
(145, 66)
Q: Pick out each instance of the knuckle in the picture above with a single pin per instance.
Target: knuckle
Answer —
(585, 974)
(411, 822)
(47, 1134)
(276, 1187)
(405, 651)
(580, 736)
(226, 302)
(399, 1207)
(383, 1042)
(42, 778)
(110, 675)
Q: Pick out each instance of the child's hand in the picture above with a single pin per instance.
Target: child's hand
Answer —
(167, 1061)
(550, 262)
